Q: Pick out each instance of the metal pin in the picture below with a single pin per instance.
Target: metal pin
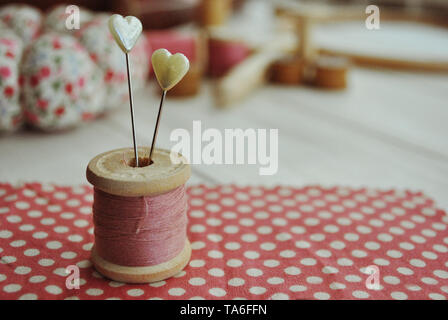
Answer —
(131, 102)
(156, 129)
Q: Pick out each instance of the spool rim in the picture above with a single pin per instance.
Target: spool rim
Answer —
(110, 173)
(145, 274)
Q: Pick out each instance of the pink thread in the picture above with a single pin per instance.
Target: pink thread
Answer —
(140, 231)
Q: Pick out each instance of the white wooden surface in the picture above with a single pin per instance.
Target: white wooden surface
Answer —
(389, 130)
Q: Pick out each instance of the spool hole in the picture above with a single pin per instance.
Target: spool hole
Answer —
(142, 162)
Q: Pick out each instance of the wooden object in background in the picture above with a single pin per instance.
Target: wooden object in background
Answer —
(215, 12)
(331, 72)
(287, 70)
(190, 84)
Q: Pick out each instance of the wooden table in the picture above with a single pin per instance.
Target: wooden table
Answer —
(389, 130)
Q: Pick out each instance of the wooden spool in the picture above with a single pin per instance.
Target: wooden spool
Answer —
(190, 84)
(288, 71)
(331, 72)
(113, 173)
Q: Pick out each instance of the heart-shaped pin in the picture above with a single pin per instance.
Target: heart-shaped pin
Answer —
(125, 31)
(169, 69)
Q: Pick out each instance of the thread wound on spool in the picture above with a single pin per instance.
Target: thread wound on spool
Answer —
(140, 231)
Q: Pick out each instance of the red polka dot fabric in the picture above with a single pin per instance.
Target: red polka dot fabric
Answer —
(248, 243)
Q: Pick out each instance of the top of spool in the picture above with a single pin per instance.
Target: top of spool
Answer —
(111, 173)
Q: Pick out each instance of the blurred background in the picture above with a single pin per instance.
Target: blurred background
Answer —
(358, 101)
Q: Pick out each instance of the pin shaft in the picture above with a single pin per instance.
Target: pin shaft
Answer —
(131, 103)
(156, 129)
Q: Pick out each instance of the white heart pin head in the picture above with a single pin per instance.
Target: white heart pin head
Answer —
(125, 31)
(169, 69)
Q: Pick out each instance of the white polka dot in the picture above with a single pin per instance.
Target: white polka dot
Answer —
(372, 245)
(268, 246)
(236, 282)
(254, 272)
(429, 255)
(5, 234)
(418, 263)
(279, 296)
(217, 292)
(28, 296)
(314, 280)
(257, 290)
(11, 288)
(429, 280)
(287, 254)
(317, 237)
(251, 254)
(308, 261)
(46, 262)
(231, 229)
(302, 244)
(418, 239)
(352, 278)
(264, 230)
(68, 255)
(214, 237)
(197, 281)
(351, 237)
(234, 263)
(271, 263)
(275, 280)
(298, 230)
(53, 289)
(394, 254)
(196, 228)
(22, 270)
(381, 262)
(391, 280)
(321, 296)
(360, 294)
(436, 296)
(359, 253)
(323, 253)
(338, 245)
(331, 228)
(232, 246)
(329, 270)
(54, 245)
(197, 245)
(345, 262)
(297, 288)
(405, 271)
(197, 263)
(441, 274)
(37, 279)
(215, 254)
(283, 236)
(397, 295)
(176, 292)
(440, 248)
(17, 243)
(293, 271)
(135, 292)
(407, 246)
(385, 237)
(216, 272)
(337, 286)
(249, 237)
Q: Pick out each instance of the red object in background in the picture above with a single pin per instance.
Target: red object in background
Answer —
(250, 242)
(225, 54)
(174, 41)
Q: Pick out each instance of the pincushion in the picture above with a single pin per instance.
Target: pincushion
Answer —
(61, 84)
(66, 77)
(10, 53)
(111, 61)
(24, 20)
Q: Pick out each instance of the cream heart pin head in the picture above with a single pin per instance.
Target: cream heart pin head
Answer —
(125, 31)
(169, 69)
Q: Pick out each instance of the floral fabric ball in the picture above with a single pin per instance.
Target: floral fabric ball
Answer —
(24, 20)
(10, 109)
(105, 52)
(56, 18)
(61, 85)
